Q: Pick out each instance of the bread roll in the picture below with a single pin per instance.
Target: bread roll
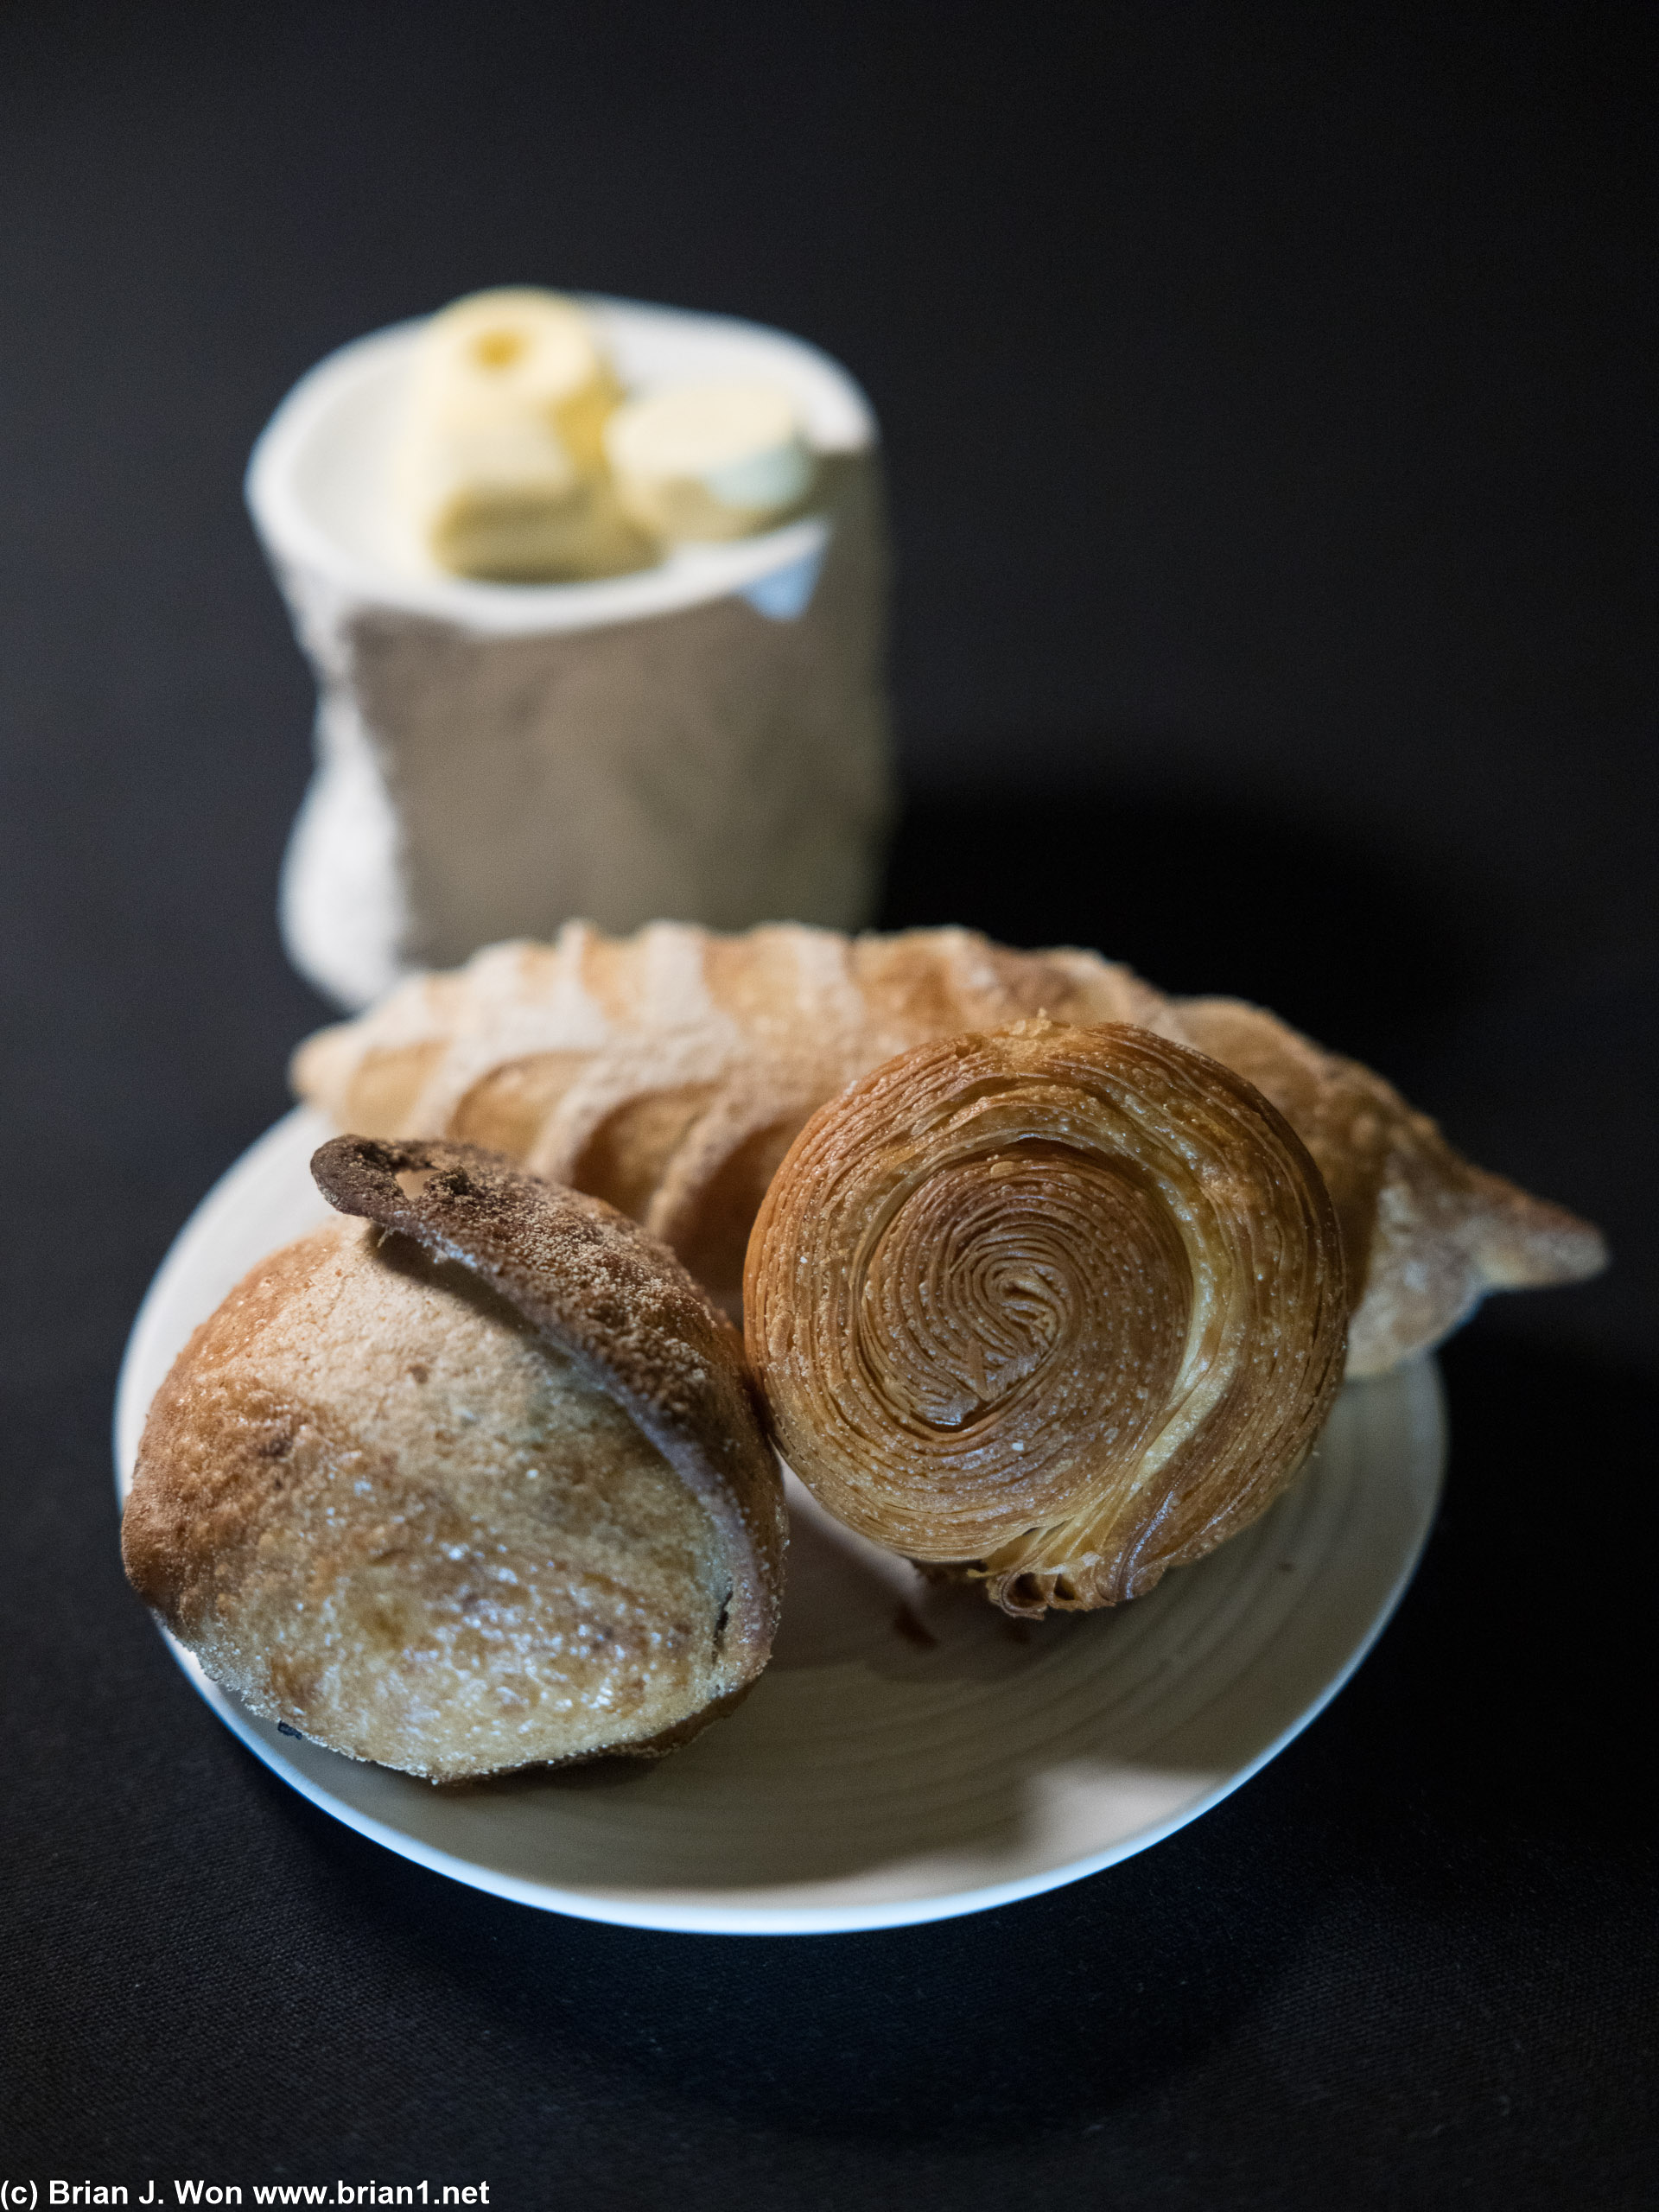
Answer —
(1060, 1308)
(474, 1483)
(669, 1072)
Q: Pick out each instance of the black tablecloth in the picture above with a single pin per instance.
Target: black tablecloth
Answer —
(1270, 436)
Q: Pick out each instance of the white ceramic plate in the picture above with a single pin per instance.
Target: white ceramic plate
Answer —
(909, 1754)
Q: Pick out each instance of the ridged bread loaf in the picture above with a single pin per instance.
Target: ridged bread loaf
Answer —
(670, 1071)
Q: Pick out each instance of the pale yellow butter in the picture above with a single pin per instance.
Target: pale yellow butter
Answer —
(498, 468)
(708, 461)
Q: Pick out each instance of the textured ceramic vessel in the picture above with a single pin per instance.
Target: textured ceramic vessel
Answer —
(703, 740)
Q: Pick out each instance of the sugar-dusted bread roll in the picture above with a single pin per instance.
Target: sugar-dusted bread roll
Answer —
(1060, 1308)
(670, 1072)
(475, 1483)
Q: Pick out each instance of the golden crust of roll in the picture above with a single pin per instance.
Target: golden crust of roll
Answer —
(474, 1483)
(1059, 1307)
(669, 1072)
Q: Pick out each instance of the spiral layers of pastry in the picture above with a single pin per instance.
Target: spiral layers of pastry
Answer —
(1063, 1307)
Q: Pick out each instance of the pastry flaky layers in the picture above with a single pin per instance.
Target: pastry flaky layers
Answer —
(475, 1483)
(1062, 1308)
(670, 1072)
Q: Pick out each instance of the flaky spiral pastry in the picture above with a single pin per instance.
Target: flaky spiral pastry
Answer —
(1057, 1308)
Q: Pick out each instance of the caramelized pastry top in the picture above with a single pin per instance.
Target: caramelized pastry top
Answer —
(1064, 1307)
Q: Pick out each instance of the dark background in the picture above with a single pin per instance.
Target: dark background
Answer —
(1270, 427)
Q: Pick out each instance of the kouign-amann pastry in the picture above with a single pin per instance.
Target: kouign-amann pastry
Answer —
(670, 1072)
(1061, 1308)
(475, 1483)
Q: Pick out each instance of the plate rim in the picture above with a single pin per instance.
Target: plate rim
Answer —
(686, 1913)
